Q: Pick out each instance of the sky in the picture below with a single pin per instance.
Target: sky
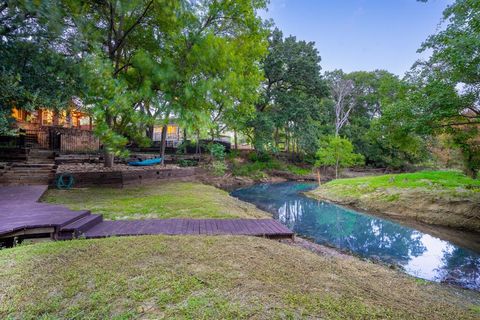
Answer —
(358, 35)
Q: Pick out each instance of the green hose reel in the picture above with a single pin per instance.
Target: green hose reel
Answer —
(65, 181)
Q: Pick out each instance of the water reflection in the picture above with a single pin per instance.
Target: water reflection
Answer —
(420, 254)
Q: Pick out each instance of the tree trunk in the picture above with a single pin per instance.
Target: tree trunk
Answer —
(108, 159)
(149, 132)
(164, 144)
(108, 156)
(336, 168)
(235, 139)
(197, 147)
(276, 138)
(287, 141)
(185, 141)
(318, 176)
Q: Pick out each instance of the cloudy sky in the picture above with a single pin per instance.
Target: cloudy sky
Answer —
(360, 34)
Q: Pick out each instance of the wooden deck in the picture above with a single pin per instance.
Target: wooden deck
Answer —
(252, 227)
(21, 215)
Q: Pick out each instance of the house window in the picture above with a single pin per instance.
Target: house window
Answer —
(171, 129)
(47, 117)
(19, 114)
(172, 133)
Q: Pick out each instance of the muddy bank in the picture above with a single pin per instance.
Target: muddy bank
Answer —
(229, 182)
(458, 210)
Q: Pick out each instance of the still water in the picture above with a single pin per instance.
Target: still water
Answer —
(418, 253)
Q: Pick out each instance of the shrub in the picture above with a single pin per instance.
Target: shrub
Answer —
(218, 168)
(259, 157)
(217, 151)
(187, 163)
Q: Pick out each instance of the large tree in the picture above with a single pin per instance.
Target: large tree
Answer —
(447, 95)
(35, 70)
(290, 103)
(163, 58)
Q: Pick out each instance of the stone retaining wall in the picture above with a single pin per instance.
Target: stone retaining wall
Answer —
(119, 179)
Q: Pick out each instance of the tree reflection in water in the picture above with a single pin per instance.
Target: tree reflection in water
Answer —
(365, 235)
(460, 267)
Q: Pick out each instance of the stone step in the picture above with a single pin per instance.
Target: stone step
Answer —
(32, 165)
(29, 171)
(27, 177)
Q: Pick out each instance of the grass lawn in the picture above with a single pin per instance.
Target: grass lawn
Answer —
(166, 200)
(221, 277)
(446, 198)
(424, 179)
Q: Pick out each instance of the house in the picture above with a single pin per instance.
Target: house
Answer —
(68, 130)
(174, 135)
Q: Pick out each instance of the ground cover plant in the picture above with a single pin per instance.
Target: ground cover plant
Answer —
(433, 180)
(222, 277)
(165, 200)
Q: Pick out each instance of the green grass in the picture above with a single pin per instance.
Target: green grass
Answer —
(424, 179)
(446, 198)
(166, 200)
(442, 183)
(222, 277)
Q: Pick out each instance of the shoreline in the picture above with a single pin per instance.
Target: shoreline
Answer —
(464, 238)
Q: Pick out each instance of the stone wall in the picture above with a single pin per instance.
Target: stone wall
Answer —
(119, 179)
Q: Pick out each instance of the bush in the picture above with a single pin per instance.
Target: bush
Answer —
(219, 168)
(217, 151)
(259, 157)
(187, 163)
(233, 154)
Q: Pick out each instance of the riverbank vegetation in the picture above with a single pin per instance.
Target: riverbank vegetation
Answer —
(163, 201)
(447, 198)
(215, 67)
(222, 277)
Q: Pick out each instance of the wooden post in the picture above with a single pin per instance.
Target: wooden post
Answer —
(235, 139)
(164, 143)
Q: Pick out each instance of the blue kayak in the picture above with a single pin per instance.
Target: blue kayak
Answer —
(148, 162)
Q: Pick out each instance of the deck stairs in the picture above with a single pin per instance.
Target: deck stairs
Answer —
(78, 227)
(39, 169)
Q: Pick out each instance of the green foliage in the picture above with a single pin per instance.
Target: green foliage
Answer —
(338, 152)
(289, 107)
(421, 179)
(392, 141)
(447, 86)
(259, 156)
(256, 169)
(218, 167)
(217, 151)
(33, 73)
(187, 163)
(259, 167)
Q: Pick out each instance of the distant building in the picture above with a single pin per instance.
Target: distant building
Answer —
(174, 135)
(68, 130)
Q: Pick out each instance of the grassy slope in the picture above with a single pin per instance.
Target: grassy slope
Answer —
(166, 200)
(445, 198)
(219, 277)
(434, 180)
